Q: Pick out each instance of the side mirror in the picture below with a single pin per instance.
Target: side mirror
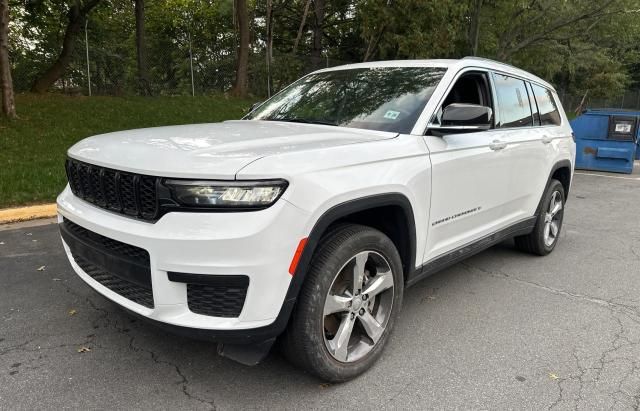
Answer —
(466, 117)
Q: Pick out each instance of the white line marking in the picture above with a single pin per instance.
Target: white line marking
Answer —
(601, 175)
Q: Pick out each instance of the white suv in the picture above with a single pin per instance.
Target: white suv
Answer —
(308, 218)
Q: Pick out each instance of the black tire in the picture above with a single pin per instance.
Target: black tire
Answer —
(304, 341)
(535, 241)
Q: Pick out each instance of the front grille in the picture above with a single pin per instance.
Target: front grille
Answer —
(217, 301)
(134, 292)
(125, 193)
(123, 268)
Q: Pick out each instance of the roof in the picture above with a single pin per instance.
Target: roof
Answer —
(446, 63)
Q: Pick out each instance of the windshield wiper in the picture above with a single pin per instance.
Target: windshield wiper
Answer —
(304, 120)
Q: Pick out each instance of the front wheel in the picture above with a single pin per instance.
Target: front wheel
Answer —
(348, 304)
(545, 235)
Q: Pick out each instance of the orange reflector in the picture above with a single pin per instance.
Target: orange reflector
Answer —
(296, 256)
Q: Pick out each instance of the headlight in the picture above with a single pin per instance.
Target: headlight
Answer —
(226, 194)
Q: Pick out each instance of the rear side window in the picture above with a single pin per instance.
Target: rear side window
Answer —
(549, 115)
(513, 101)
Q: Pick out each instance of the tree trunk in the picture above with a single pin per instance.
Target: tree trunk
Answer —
(301, 27)
(77, 17)
(241, 86)
(318, 32)
(144, 86)
(474, 29)
(6, 83)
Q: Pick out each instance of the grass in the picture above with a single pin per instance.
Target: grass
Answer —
(33, 147)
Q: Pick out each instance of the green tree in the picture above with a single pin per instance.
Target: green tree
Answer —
(77, 12)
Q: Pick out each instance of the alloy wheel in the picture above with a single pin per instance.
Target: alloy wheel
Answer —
(358, 306)
(552, 219)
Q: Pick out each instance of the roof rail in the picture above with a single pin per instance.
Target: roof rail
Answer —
(507, 65)
(489, 60)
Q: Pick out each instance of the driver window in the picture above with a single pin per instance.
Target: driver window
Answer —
(470, 88)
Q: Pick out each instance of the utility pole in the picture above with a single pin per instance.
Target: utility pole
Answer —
(86, 42)
(193, 87)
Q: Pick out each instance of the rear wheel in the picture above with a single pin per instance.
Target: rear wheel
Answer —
(348, 304)
(544, 237)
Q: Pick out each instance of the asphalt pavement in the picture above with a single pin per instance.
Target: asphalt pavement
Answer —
(502, 330)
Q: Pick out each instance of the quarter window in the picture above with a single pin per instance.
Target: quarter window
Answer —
(549, 115)
(513, 101)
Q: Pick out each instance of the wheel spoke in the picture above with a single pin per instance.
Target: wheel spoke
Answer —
(336, 304)
(371, 326)
(556, 208)
(358, 271)
(379, 283)
(547, 229)
(552, 202)
(340, 342)
(554, 228)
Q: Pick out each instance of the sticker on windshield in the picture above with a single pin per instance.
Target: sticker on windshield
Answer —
(390, 114)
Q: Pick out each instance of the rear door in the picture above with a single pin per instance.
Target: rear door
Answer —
(519, 127)
(529, 124)
(470, 174)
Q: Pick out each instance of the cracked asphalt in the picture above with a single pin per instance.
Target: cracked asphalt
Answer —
(503, 330)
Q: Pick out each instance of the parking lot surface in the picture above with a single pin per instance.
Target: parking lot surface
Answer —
(502, 330)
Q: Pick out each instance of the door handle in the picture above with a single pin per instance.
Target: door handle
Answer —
(497, 145)
(546, 139)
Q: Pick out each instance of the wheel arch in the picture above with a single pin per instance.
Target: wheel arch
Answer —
(560, 171)
(360, 211)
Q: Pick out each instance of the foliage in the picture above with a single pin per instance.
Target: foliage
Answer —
(412, 28)
(579, 45)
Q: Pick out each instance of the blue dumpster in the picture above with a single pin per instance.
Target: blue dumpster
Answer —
(607, 139)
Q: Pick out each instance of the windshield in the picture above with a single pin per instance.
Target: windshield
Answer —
(379, 98)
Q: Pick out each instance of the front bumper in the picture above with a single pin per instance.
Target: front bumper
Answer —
(257, 244)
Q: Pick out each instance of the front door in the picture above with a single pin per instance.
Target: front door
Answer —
(470, 175)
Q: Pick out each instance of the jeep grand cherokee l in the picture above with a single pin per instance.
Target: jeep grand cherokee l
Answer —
(307, 219)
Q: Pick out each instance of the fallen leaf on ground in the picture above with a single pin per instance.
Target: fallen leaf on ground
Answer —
(35, 241)
(56, 279)
(84, 349)
(29, 233)
(553, 376)
(41, 268)
(324, 385)
(1, 242)
(72, 312)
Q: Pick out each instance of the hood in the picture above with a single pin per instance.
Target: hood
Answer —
(215, 151)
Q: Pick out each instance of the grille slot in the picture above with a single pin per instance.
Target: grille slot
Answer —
(127, 289)
(216, 300)
(122, 268)
(214, 295)
(131, 194)
(134, 253)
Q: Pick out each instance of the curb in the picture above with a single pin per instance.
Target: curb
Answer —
(12, 215)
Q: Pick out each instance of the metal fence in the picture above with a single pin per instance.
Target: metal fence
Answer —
(629, 99)
(175, 67)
